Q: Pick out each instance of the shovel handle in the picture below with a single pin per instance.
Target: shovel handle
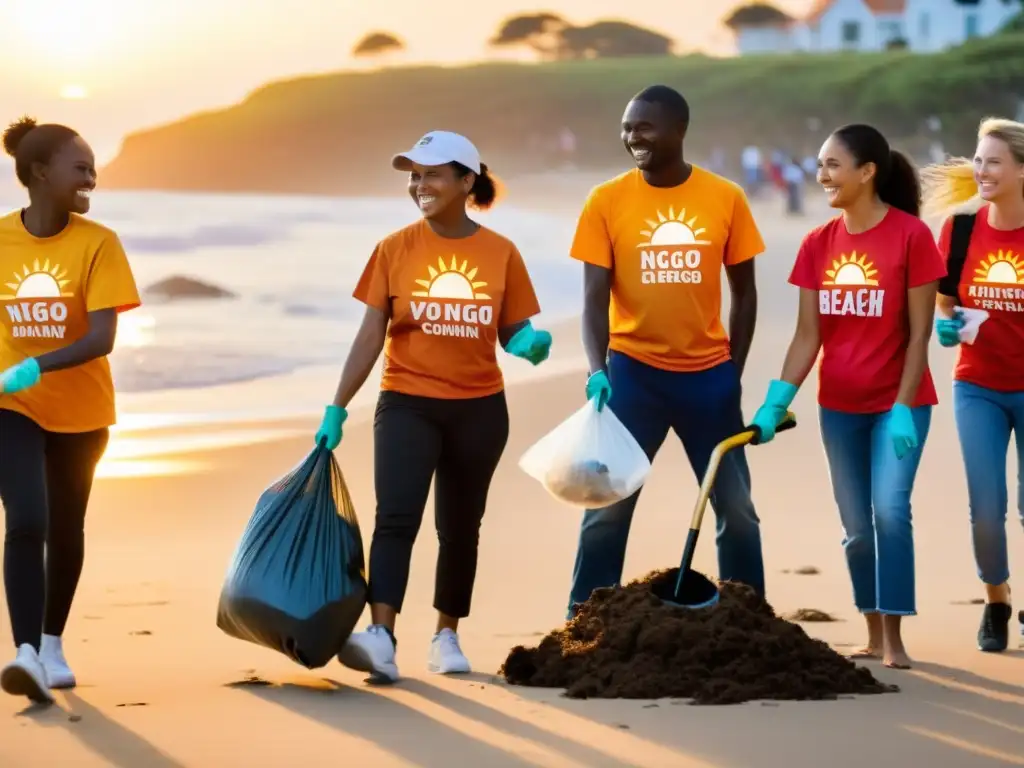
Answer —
(788, 422)
(747, 437)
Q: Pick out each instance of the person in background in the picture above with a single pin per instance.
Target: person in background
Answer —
(868, 280)
(753, 174)
(653, 243)
(793, 176)
(439, 295)
(988, 386)
(65, 279)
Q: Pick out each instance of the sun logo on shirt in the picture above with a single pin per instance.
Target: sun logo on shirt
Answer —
(38, 282)
(673, 229)
(851, 270)
(1000, 267)
(451, 281)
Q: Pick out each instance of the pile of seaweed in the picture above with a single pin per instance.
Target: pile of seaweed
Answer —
(627, 643)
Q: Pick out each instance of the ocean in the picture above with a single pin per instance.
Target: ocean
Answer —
(292, 263)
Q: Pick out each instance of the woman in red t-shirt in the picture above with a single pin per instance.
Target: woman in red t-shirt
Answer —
(868, 280)
(988, 386)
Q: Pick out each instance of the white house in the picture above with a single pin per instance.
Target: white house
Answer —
(870, 25)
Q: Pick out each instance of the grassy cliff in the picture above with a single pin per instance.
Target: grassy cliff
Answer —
(335, 133)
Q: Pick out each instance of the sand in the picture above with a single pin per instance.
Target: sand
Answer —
(161, 686)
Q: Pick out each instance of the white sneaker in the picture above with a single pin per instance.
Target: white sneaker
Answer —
(371, 651)
(446, 657)
(58, 673)
(25, 676)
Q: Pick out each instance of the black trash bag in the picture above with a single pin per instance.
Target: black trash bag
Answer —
(297, 582)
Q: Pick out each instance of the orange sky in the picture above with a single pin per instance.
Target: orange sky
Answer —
(142, 62)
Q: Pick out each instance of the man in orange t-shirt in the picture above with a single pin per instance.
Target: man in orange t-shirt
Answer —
(653, 242)
(63, 281)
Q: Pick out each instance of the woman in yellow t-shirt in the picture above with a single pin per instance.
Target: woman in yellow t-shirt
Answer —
(63, 281)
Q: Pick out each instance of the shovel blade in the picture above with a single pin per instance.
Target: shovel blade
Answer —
(695, 591)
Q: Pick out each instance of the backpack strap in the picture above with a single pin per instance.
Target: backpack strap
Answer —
(959, 242)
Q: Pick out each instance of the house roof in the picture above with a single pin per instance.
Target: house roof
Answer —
(758, 15)
(821, 7)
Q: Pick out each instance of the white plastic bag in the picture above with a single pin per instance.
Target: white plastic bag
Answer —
(590, 460)
(973, 318)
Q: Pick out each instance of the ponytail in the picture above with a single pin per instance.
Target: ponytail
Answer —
(485, 190)
(950, 187)
(486, 187)
(899, 187)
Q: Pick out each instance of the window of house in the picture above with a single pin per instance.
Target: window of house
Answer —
(925, 25)
(971, 25)
(889, 31)
(851, 32)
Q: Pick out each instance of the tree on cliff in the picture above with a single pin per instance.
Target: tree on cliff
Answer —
(757, 15)
(553, 38)
(377, 44)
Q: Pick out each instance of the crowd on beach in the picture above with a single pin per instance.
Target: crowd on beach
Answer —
(442, 294)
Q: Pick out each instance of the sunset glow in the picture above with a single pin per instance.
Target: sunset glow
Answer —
(69, 29)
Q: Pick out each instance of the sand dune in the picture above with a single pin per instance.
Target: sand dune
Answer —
(161, 687)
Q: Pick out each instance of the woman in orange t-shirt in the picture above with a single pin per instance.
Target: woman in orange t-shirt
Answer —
(64, 281)
(439, 294)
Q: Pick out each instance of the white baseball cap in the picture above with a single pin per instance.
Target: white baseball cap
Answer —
(439, 148)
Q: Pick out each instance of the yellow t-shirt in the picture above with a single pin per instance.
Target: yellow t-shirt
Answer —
(666, 248)
(47, 288)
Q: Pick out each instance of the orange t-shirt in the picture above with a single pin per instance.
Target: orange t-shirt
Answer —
(666, 248)
(446, 298)
(47, 288)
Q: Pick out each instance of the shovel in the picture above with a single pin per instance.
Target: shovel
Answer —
(693, 589)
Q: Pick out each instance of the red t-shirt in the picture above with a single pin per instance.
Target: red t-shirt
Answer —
(862, 282)
(993, 280)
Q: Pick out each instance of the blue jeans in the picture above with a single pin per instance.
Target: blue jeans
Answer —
(872, 490)
(702, 408)
(985, 418)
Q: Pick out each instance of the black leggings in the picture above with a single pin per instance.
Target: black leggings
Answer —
(45, 482)
(457, 443)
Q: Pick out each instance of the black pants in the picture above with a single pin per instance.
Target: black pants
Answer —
(45, 482)
(457, 443)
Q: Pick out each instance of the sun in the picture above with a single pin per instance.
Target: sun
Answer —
(672, 230)
(1005, 268)
(450, 281)
(851, 270)
(38, 282)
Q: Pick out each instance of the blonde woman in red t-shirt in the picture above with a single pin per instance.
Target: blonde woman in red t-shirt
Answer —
(868, 280)
(988, 387)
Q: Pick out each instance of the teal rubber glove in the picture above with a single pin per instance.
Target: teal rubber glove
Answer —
(902, 430)
(948, 329)
(599, 389)
(773, 410)
(530, 344)
(21, 376)
(330, 428)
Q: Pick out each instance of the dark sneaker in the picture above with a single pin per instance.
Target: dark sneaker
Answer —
(994, 632)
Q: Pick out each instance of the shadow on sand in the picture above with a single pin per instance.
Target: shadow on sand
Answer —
(102, 736)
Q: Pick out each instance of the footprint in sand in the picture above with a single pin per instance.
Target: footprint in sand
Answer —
(807, 570)
(810, 615)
